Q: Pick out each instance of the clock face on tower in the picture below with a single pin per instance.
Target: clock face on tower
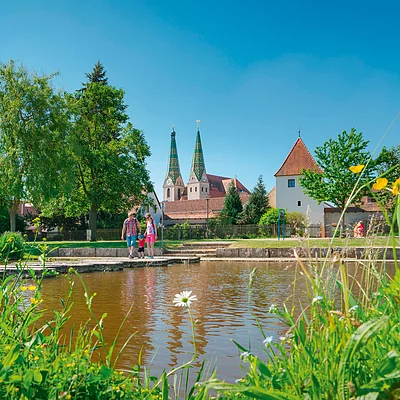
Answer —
(169, 181)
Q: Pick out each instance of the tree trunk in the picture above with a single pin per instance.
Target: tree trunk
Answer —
(93, 223)
(13, 214)
(343, 225)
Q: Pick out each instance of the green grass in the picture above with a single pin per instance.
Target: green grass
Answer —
(322, 243)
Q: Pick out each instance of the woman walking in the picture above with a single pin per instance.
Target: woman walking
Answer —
(151, 235)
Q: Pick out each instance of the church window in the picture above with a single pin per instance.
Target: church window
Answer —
(179, 193)
(168, 192)
(190, 190)
(202, 189)
(299, 203)
(206, 190)
(195, 189)
(291, 183)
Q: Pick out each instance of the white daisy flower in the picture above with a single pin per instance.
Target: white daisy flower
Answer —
(184, 298)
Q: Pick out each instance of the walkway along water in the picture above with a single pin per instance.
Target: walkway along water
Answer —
(114, 259)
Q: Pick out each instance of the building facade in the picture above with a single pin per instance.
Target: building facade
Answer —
(203, 196)
(289, 193)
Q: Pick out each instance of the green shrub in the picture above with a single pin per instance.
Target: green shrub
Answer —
(11, 246)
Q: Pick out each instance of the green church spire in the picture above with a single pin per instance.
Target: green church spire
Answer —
(173, 162)
(198, 166)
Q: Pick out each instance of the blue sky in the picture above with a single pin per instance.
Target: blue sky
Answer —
(253, 72)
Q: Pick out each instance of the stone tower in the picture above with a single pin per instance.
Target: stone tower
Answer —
(173, 184)
(198, 186)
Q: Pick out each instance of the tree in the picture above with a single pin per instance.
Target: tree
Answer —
(270, 217)
(108, 153)
(388, 165)
(33, 128)
(336, 182)
(98, 75)
(297, 222)
(257, 205)
(232, 206)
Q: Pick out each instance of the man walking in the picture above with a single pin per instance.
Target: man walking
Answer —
(131, 228)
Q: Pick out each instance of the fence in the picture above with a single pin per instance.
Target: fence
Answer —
(185, 232)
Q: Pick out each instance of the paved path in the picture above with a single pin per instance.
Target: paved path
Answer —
(85, 265)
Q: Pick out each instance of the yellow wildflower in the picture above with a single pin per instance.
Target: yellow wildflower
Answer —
(24, 288)
(36, 222)
(380, 183)
(356, 169)
(396, 187)
(33, 301)
(36, 358)
(32, 287)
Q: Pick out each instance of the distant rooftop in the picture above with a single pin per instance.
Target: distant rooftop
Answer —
(299, 158)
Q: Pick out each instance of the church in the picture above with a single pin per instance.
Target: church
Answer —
(202, 197)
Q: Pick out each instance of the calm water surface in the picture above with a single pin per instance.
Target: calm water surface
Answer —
(162, 331)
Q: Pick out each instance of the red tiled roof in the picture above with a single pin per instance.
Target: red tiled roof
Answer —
(197, 209)
(299, 158)
(219, 185)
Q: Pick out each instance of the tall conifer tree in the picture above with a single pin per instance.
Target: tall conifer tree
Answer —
(232, 206)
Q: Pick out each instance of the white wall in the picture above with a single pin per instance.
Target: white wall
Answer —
(155, 212)
(288, 198)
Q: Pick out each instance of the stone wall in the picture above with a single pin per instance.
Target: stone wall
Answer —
(97, 252)
(344, 252)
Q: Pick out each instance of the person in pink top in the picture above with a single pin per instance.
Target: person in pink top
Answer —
(141, 246)
(151, 235)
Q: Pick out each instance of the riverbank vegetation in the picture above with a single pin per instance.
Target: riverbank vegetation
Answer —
(342, 344)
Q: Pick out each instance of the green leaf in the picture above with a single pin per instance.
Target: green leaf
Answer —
(254, 392)
(164, 388)
(357, 339)
(37, 376)
(105, 372)
(11, 356)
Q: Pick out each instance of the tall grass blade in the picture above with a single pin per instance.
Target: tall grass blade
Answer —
(358, 338)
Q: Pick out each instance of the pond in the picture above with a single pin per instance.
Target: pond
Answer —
(163, 331)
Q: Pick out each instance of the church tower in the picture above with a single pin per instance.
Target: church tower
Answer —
(173, 184)
(198, 186)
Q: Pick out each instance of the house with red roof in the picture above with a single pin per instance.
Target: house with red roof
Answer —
(289, 194)
(203, 196)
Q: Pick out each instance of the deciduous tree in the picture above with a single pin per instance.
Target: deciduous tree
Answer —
(337, 182)
(33, 128)
(109, 153)
(388, 166)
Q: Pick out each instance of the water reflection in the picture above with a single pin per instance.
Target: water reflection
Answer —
(163, 332)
